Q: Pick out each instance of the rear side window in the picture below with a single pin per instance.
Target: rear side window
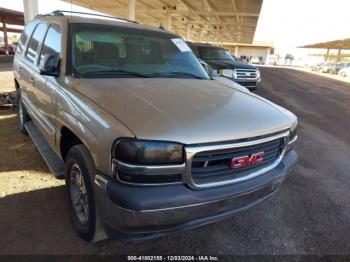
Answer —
(24, 36)
(52, 43)
(35, 41)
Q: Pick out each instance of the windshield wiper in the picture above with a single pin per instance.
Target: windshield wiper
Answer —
(117, 71)
(177, 73)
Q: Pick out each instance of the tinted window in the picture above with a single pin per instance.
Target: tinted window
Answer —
(35, 41)
(24, 36)
(214, 53)
(111, 51)
(52, 43)
(195, 50)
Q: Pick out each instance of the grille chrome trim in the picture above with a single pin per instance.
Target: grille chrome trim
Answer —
(246, 74)
(191, 151)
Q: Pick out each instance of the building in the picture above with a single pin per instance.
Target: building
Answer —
(257, 52)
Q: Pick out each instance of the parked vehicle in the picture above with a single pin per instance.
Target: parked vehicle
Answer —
(11, 50)
(215, 76)
(325, 68)
(256, 60)
(316, 67)
(222, 61)
(147, 142)
(338, 66)
(344, 72)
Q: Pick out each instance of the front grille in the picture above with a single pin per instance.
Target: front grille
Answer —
(215, 166)
(246, 73)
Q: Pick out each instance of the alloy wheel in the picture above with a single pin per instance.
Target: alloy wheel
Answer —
(78, 194)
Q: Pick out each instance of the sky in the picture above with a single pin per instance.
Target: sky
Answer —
(292, 23)
(286, 23)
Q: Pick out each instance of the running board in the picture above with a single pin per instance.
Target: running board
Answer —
(52, 160)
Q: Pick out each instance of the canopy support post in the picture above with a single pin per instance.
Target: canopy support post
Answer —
(132, 10)
(5, 36)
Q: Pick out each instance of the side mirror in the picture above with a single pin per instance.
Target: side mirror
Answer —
(212, 74)
(204, 65)
(49, 65)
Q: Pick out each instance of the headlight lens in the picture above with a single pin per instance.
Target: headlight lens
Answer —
(138, 152)
(292, 137)
(293, 130)
(228, 73)
(293, 134)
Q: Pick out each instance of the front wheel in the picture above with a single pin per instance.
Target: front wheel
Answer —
(78, 169)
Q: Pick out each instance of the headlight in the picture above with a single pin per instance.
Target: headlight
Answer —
(228, 73)
(293, 134)
(147, 162)
(292, 137)
(257, 73)
(143, 152)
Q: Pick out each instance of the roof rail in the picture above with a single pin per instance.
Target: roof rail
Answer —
(61, 13)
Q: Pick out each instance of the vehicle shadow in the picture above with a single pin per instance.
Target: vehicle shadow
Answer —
(38, 223)
(33, 222)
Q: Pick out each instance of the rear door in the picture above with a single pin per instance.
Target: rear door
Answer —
(32, 97)
(20, 69)
(46, 86)
(29, 64)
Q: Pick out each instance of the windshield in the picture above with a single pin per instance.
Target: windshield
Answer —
(111, 51)
(214, 53)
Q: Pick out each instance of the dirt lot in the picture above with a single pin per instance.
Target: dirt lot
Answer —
(310, 215)
(308, 70)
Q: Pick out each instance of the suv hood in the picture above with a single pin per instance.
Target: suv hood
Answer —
(225, 64)
(188, 111)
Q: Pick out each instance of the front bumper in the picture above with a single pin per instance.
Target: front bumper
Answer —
(251, 84)
(140, 212)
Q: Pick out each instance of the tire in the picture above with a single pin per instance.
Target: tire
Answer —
(79, 168)
(22, 114)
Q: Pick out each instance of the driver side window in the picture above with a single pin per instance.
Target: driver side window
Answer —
(52, 43)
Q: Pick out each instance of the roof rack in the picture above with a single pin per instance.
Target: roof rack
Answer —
(61, 13)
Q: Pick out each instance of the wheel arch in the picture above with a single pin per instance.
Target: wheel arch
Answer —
(68, 139)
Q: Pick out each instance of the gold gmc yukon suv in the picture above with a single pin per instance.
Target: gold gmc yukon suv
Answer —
(147, 141)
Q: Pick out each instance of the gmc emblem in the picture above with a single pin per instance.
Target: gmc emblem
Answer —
(243, 161)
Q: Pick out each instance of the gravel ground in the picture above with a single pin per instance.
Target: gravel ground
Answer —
(310, 215)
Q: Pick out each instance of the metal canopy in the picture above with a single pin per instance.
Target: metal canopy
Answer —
(11, 17)
(337, 44)
(215, 21)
